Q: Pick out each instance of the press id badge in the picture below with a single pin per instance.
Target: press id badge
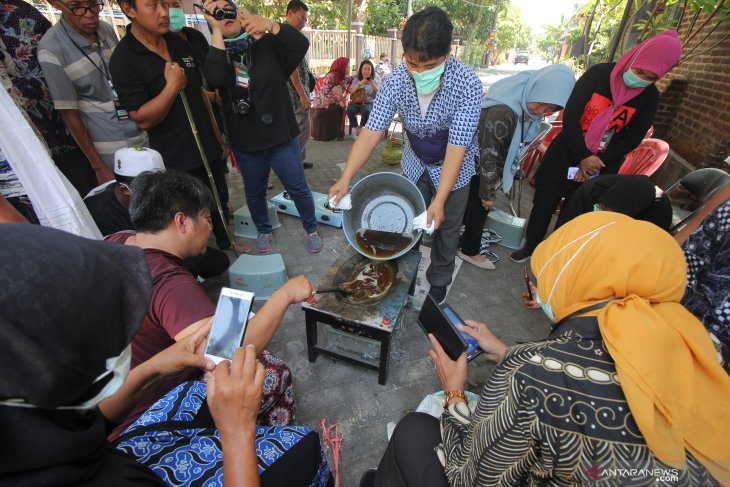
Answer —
(242, 76)
(121, 112)
(605, 140)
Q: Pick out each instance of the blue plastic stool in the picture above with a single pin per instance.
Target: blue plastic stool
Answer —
(244, 223)
(259, 274)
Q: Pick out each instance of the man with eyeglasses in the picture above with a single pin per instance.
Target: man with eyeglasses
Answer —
(299, 89)
(74, 55)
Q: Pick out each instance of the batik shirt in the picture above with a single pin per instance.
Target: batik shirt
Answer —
(707, 296)
(553, 414)
(455, 107)
(303, 70)
(21, 28)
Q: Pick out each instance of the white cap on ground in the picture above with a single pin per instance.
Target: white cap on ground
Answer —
(131, 161)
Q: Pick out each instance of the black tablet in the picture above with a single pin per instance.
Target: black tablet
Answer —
(441, 321)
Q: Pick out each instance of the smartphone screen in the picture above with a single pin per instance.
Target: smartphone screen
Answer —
(229, 324)
(471, 344)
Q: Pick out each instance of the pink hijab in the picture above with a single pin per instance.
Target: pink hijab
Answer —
(657, 54)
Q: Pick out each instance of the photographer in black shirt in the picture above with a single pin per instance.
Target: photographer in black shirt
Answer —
(250, 61)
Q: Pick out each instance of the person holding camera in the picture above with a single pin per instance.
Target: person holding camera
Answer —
(362, 95)
(250, 61)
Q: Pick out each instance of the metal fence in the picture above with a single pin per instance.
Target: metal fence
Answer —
(324, 45)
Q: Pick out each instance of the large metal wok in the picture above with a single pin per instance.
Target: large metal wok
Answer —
(380, 223)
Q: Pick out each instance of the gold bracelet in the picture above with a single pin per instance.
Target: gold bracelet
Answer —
(449, 395)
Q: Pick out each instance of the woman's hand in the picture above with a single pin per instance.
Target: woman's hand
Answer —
(494, 348)
(210, 6)
(234, 392)
(182, 356)
(256, 25)
(452, 374)
(591, 165)
(530, 303)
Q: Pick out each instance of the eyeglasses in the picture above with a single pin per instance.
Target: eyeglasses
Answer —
(94, 8)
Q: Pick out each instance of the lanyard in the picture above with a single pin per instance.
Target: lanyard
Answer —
(104, 72)
(121, 112)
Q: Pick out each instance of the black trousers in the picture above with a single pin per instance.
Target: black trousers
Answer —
(219, 226)
(75, 166)
(474, 218)
(212, 263)
(544, 204)
(410, 459)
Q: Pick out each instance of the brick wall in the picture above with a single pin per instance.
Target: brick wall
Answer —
(694, 111)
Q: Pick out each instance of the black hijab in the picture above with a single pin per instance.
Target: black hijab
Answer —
(67, 304)
(631, 195)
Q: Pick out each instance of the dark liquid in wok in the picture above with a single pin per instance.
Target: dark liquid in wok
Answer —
(381, 245)
(369, 280)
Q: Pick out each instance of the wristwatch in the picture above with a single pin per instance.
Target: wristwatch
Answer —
(449, 395)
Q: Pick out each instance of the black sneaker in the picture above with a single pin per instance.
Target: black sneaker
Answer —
(307, 165)
(522, 254)
(368, 478)
(438, 293)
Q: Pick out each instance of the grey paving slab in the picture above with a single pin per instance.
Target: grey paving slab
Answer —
(350, 395)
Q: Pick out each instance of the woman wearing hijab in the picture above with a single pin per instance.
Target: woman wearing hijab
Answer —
(634, 196)
(510, 119)
(64, 377)
(330, 102)
(606, 117)
(626, 389)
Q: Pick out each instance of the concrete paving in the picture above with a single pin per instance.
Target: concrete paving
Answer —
(350, 395)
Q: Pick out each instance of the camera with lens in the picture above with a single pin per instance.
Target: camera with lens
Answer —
(242, 105)
(220, 14)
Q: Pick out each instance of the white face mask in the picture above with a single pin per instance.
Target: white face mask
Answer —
(117, 366)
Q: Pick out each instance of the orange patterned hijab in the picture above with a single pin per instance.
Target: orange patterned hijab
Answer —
(677, 391)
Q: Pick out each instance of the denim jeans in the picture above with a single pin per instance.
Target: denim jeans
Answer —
(364, 110)
(285, 159)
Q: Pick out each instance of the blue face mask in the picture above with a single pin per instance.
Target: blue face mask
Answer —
(177, 19)
(545, 307)
(633, 81)
(240, 37)
(428, 81)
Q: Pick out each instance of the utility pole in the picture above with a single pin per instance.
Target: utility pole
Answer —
(409, 12)
(497, 6)
(349, 32)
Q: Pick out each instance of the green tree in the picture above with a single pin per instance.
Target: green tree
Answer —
(383, 15)
(512, 33)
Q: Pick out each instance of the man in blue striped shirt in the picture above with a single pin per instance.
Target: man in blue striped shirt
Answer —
(438, 98)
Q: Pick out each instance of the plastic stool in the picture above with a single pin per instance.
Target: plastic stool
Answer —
(259, 274)
(244, 223)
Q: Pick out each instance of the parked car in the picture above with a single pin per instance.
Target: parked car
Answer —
(522, 57)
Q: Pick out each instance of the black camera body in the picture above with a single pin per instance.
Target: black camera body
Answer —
(242, 105)
(220, 14)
